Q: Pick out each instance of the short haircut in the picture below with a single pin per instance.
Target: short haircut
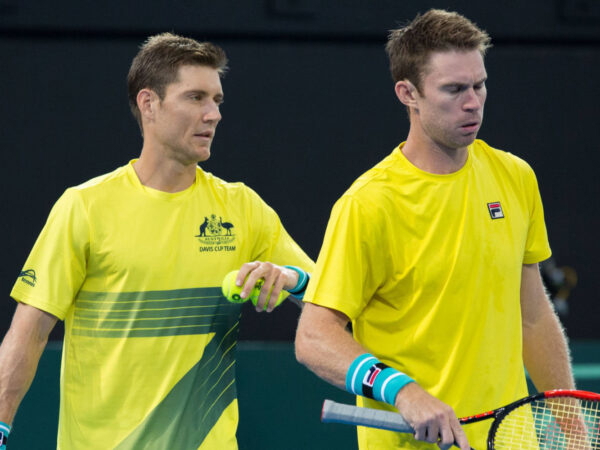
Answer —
(409, 48)
(157, 64)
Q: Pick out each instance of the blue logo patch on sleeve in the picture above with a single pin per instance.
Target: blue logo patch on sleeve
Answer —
(28, 276)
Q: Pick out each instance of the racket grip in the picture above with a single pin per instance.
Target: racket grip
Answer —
(351, 415)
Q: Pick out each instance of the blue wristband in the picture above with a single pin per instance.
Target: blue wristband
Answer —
(357, 371)
(4, 432)
(303, 278)
(369, 377)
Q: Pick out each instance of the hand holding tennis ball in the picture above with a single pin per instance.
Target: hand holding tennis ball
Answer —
(232, 292)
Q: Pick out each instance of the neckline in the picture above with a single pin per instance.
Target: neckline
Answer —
(437, 176)
(156, 193)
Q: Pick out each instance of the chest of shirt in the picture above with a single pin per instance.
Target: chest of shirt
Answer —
(437, 234)
(179, 241)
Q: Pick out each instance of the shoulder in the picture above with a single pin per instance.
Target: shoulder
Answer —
(377, 177)
(102, 186)
(101, 189)
(230, 191)
(372, 193)
(484, 153)
(117, 175)
(376, 187)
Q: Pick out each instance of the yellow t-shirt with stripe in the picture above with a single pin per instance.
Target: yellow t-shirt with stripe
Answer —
(428, 268)
(148, 356)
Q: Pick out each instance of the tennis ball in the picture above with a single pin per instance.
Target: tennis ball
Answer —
(232, 292)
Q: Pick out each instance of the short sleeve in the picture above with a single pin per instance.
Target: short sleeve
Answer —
(348, 271)
(56, 266)
(537, 247)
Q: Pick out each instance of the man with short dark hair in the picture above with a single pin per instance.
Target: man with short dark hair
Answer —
(133, 261)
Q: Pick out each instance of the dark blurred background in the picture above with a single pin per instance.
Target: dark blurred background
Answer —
(309, 107)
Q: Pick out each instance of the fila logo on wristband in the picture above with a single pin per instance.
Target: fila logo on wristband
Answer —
(370, 377)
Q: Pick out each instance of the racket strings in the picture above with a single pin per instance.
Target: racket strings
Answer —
(557, 423)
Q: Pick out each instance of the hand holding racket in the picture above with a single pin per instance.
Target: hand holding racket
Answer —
(559, 419)
(433, 421)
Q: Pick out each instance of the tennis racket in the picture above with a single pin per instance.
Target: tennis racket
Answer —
(559, 419)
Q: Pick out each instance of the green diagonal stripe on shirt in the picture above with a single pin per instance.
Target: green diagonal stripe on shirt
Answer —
(188, 413)
(150, 313)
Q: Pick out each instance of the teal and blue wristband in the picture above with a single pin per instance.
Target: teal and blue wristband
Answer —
(369, 377)
(4, 432)
(303, 278)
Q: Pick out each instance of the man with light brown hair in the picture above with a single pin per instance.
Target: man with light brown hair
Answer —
(433, 255)
(133, 262)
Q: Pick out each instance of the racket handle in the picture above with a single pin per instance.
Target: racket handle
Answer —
(334, 412)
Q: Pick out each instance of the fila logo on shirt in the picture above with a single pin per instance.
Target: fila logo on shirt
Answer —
(495, 210)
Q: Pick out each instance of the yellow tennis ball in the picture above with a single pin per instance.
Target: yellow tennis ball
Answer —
(232, 292)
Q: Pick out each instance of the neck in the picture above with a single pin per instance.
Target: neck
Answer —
(431, 157)
(164, 175)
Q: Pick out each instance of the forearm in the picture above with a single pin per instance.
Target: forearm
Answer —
(546, 353)
(324, 345)
(545, 350)
(20, 352)
(17, 369)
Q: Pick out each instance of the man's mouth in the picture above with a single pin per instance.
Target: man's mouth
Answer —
(470, 127)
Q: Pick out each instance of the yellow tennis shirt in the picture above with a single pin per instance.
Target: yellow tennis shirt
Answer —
(148, 357)
(428, 269)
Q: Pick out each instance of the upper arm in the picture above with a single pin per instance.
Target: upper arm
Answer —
(534, 300)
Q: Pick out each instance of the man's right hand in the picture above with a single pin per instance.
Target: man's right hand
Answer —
(433, 420)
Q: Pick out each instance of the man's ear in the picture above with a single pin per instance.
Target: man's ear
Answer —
(407, 93)
(146, 102)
